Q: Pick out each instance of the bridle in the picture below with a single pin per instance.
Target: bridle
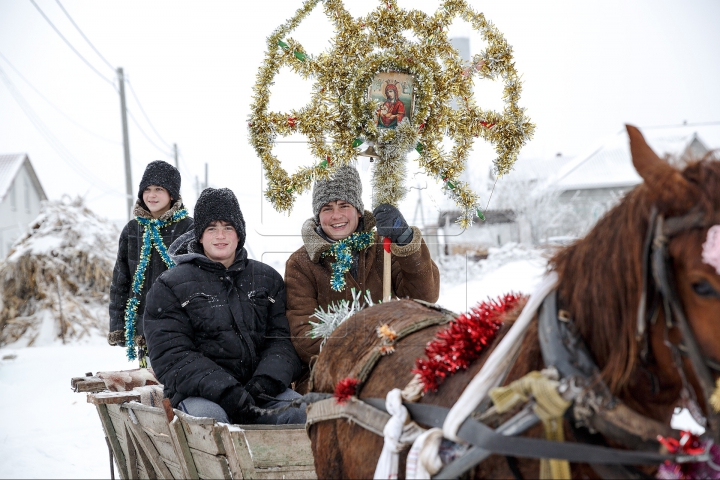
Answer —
(660, 291)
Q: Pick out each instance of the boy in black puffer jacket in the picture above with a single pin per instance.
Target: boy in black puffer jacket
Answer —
(215, 324)
(160, 218)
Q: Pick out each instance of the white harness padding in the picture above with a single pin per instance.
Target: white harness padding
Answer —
(498, 362)
(387, 466)
(423, 460)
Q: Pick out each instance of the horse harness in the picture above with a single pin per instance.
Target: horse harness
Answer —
(660, 291)
(594, 409)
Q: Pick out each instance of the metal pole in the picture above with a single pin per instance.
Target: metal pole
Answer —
(177, 165)
(206, 176)
(126, 144)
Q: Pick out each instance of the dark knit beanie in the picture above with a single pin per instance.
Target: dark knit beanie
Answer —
(218, 204)
(344, 185)
(162, 174)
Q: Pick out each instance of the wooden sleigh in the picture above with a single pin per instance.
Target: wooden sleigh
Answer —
(149, 442)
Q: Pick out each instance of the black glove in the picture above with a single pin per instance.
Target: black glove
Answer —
(116, 337)
(236, 402)
(391, 223)
(264, 384)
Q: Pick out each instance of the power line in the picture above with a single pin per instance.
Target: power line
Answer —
(132, 117)
(83, 35)
(22, 77)
(52, 140)
(70, 45)
(137, 100)
(182, 160)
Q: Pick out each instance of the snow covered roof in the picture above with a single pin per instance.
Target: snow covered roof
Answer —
(10, 165)
(527, 169)
(610, 165)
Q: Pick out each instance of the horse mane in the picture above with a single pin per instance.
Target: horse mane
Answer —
(601, 274)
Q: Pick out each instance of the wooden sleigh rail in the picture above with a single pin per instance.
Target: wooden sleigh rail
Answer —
(160, 442)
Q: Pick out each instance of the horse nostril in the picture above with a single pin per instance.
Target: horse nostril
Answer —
(704, 289)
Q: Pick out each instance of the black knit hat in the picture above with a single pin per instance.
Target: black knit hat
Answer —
(218, 204)
(162, 174)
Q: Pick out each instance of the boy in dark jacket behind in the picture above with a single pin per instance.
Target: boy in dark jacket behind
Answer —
(216, 329)
(160, 218)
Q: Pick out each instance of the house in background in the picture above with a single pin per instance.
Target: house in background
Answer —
(498, 228)
(20, 197)
(595, 182)
(556, 199)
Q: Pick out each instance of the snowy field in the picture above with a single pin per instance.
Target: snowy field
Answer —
(48, 431)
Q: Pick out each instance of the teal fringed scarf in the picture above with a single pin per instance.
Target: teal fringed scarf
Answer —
(151, 237)
(342, 250)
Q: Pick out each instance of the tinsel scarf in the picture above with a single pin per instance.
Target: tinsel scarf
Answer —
(151, 238)
(342, 250)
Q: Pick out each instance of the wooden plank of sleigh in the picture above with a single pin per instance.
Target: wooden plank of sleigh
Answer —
(149, 441)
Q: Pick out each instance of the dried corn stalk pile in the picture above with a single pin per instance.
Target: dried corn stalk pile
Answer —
(55, 282)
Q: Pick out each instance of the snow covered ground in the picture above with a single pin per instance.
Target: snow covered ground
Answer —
(511, 268)
(48, 431)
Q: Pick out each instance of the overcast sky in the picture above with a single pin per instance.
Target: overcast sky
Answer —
(588, 68)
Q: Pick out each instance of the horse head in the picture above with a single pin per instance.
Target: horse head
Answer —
(688, 204)
(616, 281)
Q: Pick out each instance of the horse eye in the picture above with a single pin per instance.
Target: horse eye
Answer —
(704, 289)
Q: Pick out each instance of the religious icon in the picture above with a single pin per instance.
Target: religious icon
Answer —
(395, 91)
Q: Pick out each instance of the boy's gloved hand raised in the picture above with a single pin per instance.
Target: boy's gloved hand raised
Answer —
(391, 223)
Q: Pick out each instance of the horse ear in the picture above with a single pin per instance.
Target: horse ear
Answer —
(671, 192)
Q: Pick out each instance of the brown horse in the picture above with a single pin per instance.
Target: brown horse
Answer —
(602, 283)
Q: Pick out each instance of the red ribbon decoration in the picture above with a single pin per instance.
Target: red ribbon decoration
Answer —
(454, 348)
(689, 443)
(345, 389)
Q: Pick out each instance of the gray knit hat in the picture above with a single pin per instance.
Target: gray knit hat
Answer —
(344, 185)
(218, 204)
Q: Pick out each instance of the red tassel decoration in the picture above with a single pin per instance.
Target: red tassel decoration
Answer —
(456, 347)
(386, 244)
(345, 389)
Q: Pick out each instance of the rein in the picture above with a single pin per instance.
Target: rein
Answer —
(660, 287)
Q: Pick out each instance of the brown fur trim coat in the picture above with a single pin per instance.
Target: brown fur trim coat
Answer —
(307, 279)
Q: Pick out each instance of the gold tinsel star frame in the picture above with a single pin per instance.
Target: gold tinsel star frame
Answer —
(339, 109)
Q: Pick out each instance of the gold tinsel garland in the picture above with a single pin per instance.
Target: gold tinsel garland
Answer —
(340, 111)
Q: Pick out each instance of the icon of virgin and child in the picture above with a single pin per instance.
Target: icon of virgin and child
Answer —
(393, 110)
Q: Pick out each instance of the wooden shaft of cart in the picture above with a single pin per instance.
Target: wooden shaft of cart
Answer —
(387, 270)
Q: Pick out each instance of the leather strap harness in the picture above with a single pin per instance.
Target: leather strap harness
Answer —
(660, 291)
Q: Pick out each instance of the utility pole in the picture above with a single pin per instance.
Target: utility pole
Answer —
(419, 206)
(206, 176)
(177, 165)
(126, 143)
